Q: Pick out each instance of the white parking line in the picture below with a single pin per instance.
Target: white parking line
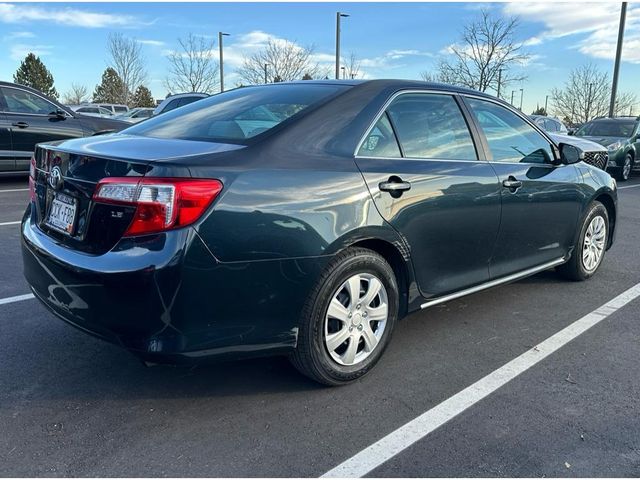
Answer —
(629, 186)
(18, 298)
(14, 190)
(9, 223)
(386, 448)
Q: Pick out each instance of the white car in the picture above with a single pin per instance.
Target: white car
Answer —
(91, 110)
(136, 115)
(179, 100)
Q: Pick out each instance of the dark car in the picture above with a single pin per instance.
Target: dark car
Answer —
(28, 117)
(621, 137)
(218, 230)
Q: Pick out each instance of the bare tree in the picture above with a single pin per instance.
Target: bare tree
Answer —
(76, 95)
(125, 57)
(284, 60)
(193, 68)
(351, 66)
(586, 95)
(487, 47)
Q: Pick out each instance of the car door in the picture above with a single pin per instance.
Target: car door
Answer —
(7, 159)
(541, 199)
(33, 120)
(428, 181)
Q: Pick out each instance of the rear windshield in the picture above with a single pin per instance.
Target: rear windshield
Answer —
(608, 128)
(237, 115)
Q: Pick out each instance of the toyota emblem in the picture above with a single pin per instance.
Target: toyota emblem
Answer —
(55, 178)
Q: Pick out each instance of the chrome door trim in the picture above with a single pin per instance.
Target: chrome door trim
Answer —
(494, 283)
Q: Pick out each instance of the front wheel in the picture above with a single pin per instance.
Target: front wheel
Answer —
(348, 319)
(592, 244)
(624, 172)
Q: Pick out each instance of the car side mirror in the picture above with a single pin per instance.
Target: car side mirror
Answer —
(59, 113)
(570, 154)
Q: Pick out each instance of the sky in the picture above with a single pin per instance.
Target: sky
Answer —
(392, 40)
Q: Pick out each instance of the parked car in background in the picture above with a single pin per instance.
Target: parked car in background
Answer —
(114, 108)
(621, 137)
(135, 115)
(178, 100)
(28, 117)
(91, 110)
(549, 124)
(201, 233)
(594, 153)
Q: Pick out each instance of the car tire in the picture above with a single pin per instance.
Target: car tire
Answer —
(624, 172)
(319, 352)
(590, 249)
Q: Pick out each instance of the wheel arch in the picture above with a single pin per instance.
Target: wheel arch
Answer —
(399, 262)
(607, 200)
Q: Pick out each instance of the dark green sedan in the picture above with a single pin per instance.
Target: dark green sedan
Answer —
(304, 219)
(621, 136)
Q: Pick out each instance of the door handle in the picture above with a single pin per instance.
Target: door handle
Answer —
(394, 186)
(512, 183)
(20, 124)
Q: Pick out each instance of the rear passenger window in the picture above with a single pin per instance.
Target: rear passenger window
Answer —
(381, 141)
(431, 126)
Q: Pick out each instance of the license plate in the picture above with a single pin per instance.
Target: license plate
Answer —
(62, 214)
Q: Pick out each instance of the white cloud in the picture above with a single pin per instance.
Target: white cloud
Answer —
(594, 24)
(153, 43)
(23, 13)
(19, 51)
(15, 35)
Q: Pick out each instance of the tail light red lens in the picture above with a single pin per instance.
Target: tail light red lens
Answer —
(161, 203)
(32, 178)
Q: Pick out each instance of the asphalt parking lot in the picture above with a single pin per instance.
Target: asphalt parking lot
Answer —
(71, 405)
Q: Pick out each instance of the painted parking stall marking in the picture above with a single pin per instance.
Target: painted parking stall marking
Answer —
(10, 190)
(384, 449)
(17, 298)
(2, 224)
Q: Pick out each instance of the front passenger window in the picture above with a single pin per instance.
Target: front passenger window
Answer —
(510, 138)
(21, 101)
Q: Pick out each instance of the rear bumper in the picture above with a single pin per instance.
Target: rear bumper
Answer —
(167, 299)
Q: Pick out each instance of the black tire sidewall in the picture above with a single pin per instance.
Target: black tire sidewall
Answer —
(372, 263)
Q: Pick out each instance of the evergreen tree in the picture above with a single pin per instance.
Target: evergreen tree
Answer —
(277, 79)
(33, 73)
(110, 88)
(307, 77)
(143, 97)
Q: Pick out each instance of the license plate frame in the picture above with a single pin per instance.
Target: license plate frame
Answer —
(62, 213)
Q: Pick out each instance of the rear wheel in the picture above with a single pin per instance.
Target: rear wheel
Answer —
(348, 319)
(592, 243)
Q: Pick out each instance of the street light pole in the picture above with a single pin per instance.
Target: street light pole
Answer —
(265, 73)
(521, 95)
(499, 82)
(546, 102)
(588, 109)
(220, 35)
(616, 65)
(512, 92)
(338, 16)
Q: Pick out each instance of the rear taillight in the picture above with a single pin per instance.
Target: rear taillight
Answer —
(32, 178)
(161, 203)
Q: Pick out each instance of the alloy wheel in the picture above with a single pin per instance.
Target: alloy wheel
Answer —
(594, 243)
(626, 169)
(356, 319)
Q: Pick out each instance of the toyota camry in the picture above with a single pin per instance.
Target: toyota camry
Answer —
(304, 219)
